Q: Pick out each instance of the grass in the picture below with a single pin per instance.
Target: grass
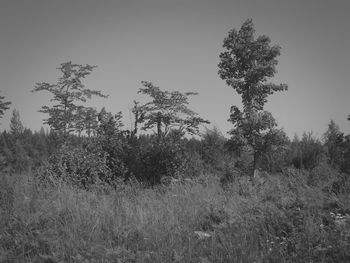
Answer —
(280, 218)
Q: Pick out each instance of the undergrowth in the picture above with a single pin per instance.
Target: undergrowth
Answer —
(274, 218)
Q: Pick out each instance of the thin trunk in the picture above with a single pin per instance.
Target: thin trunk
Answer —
(136, 122)
(159, 125)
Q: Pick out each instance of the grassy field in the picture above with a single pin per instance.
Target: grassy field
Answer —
(276, 218)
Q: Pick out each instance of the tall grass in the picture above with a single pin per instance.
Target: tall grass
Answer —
(280, 218)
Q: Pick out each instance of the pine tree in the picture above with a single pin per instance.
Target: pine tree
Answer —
(16, 126)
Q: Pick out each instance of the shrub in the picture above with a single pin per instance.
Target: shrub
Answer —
(78, 166)
(165, 157)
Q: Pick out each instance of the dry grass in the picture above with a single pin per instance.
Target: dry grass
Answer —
(279, 219)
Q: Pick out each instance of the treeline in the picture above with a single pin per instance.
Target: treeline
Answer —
(113, 153)
(87, 146)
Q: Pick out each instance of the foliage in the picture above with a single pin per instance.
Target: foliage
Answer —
(256, 132)
(213, 148)
(16, 126)
(86, 121)
(4, 105)
(80, 167)
(245, 65)
(306, 153)
(282, 219)
(345, 165)
(25, 152)
(65, 116)
(162, 158)
(333, 141)
(167, 111)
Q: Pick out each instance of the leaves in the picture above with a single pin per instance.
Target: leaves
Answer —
(167, 111)
(246, 65)
(66, 116)
(4, 105)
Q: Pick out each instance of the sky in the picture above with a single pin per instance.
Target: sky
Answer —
(176, 45)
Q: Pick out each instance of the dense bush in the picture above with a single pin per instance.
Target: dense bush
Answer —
(77, 166)
(306, 153)
(162, 157)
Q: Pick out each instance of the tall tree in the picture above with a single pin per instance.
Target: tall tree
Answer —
(246, 65)
(67, 93)
(16, 126)
(168, 111)
(4, 105)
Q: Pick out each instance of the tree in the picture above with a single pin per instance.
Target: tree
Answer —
(333, 140)
(16, 125)
(138, 116)
(4, 105)
(167, 111)
(246, 65)
(109, 125)
(86, 121)
(91, 122)
(67, 92)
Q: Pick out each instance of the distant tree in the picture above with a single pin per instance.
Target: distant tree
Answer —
(16, 126)
(4, 105)
(213, 147)
(91, 121)
(345, 164)
(109, 124)
(67, 93)
(138, 116)
(333, 140)
(245, 65)
(306, 153)
(167, 111)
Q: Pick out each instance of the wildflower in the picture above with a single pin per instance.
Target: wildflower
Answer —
(202, 235)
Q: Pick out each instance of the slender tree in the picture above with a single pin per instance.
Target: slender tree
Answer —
(16, 126)
(4, 105)
(246, 65)
(68, 93)
(168, 111)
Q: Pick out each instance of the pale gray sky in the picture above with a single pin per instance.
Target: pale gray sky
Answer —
(176, 45)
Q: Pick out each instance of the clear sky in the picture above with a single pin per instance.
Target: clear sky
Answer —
(176, 45)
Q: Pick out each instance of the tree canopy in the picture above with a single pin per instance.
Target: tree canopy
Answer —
(16, 126)
(167, 111)
(246, 64)
(66, 114)
(4, 105)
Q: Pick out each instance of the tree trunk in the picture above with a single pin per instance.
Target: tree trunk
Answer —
(159, 125)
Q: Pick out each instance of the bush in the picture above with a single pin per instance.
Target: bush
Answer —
(78, 166)
(164, 157)
(306, 153)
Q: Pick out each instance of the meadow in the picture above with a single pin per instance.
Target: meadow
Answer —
(286, 217)
(168, 188)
